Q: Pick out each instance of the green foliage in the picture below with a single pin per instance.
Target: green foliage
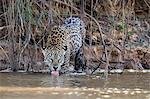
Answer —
(122, 27)
(24, 8)
(130, 33)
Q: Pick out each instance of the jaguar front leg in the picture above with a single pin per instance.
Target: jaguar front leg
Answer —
(66, 65)
(80, 61)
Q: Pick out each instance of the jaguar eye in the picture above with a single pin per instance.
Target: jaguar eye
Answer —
(65, 48)
(51, 60)
(59, 60)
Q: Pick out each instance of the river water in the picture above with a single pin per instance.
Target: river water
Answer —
(44, 86)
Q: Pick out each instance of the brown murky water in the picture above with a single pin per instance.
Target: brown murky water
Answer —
(44, 86)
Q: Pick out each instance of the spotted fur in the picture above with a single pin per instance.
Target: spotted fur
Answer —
(63, 42)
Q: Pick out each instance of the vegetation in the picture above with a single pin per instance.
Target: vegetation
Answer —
(118, 32)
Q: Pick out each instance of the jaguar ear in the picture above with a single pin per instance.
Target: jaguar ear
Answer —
(65, 48)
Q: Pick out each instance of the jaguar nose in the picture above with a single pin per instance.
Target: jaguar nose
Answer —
(55, 67)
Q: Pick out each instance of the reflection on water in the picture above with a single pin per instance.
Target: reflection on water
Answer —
(44, 86)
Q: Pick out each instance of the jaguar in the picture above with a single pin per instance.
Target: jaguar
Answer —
(63, 42)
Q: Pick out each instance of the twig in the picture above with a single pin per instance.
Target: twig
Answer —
(4, 52)
(3, 27)
(24, 47)
(147, 3)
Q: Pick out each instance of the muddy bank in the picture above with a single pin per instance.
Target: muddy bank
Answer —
(32, 59)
